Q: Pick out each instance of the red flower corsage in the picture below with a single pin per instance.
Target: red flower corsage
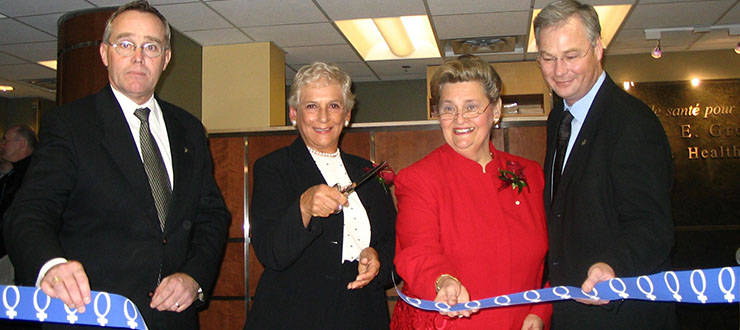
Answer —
(513, 176)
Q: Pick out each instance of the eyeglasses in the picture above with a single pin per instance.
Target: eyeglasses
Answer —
(569, 60)
(470, 111)
(128, 48)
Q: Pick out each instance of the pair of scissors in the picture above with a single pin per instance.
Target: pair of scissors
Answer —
(348, 189)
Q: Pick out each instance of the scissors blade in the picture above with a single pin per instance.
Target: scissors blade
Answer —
(351, 188)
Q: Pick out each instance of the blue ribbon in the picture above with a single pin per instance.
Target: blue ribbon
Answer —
(105, 310)
(698, 286)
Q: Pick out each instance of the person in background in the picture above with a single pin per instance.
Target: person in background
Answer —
(120, 196)
(608, 175)
(328, 256)
(16, 148)
(471, 223)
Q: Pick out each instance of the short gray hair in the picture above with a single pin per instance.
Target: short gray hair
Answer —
(558, 12)
(140, 6)
(315, 72)
(26, 133)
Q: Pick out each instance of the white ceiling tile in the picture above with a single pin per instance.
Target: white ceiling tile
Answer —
(268, 12)
(297, 34)
(343, 9)
(193, 16)
(15, 8)
(26, 71)
(446, 7)
(116, 3)
(732, 16)
(481, 25)
(218, 37)
(716, 39)
(412, 76)
(503, 57)
(15, 32)
(419, 66)
(677, 14)
(46, 23)
(331, 54)
(355, 69)
(634, 39)
(6, 59)
(539, 4)
(34, 52)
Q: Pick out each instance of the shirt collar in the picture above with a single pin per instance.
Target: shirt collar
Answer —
(579, 110)
(129, 106)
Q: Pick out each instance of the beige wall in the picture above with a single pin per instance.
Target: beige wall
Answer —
(243, 86)
(181, 82)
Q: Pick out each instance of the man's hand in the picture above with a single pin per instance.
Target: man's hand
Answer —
(598, 272)
(368, 268)
(175, 293)
(68, 282)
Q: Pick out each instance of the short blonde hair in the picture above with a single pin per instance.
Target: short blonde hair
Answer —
(463, 69)
(316, 71)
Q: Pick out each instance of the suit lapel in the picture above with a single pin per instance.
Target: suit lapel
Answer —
(590, 127)
(553, 121)
(118, 142)
(182, 158)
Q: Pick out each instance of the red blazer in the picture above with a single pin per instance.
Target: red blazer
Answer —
(455, 219)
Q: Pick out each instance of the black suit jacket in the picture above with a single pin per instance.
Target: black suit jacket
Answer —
(9, 185)
(612, 205)
(87, 198)
(304, 285)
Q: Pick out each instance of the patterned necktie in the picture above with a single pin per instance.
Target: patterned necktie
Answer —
(562, 147)
(159, 181)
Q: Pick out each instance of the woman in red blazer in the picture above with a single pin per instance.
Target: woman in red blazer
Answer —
(471, 221)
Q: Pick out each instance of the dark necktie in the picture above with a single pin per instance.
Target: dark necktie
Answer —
(562, 147)
(159, 181)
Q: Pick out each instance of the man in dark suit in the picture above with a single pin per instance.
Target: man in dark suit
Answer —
(120, 196)
(608, 177)
(16, 147)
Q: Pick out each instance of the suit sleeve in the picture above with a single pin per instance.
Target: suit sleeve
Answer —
(211, 224)
(419, 255)
(278, 235)
(383, 234)
(32, 223)
(642, 175)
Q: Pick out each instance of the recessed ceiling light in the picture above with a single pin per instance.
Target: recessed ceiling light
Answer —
(391, 38)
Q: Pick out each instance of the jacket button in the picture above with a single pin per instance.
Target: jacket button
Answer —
(164, 241)
(150, 294)
(558, 215)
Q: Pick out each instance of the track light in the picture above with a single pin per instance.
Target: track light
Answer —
(657, 52)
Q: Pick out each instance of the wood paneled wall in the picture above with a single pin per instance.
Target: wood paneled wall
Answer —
(234, 156)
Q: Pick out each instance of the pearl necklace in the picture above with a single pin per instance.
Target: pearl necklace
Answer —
(323, 154)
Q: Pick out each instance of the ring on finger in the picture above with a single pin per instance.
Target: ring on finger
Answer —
(55, 280)
(177, 305)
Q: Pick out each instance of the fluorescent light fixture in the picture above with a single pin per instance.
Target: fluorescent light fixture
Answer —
(52, 64)
(391, 38)
(6, 88)
(610, 18)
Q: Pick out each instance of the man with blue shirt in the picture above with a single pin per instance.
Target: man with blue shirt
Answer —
(608, 174)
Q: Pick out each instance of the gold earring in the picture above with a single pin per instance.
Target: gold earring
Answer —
(346, 123)
(293, 122)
